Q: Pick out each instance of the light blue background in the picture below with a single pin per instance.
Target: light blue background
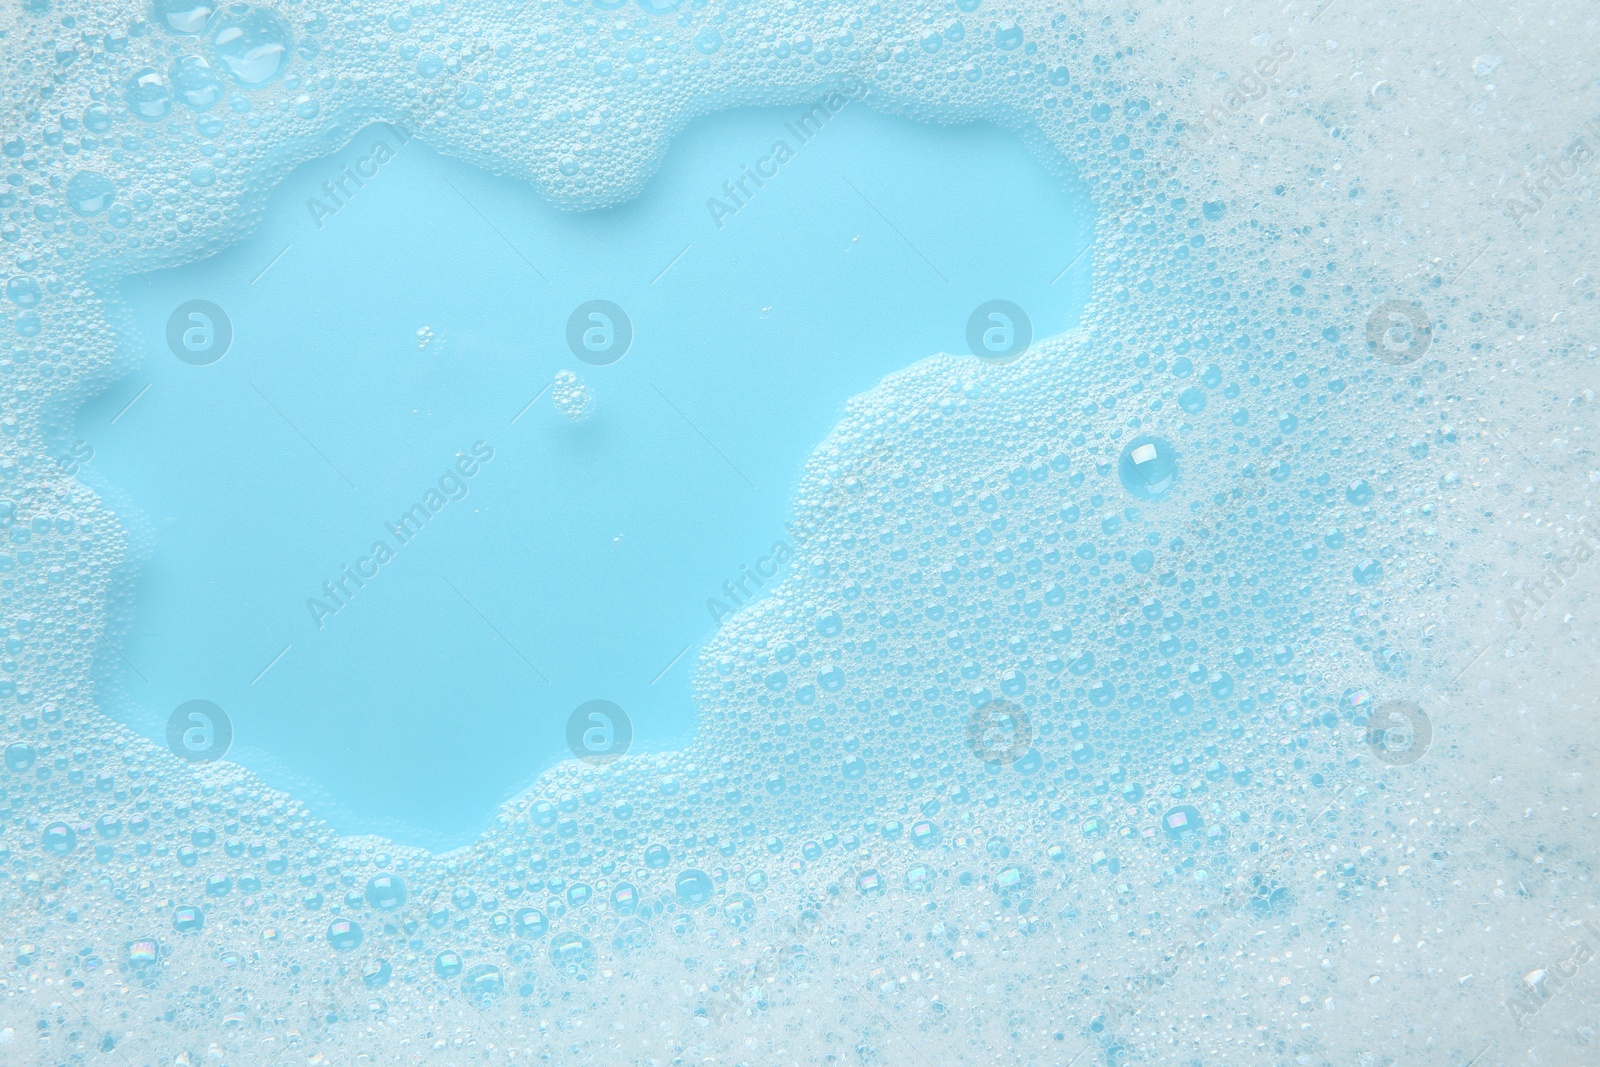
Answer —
(591, 548)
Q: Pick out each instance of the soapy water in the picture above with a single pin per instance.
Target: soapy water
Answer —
(1121, 704)
(605, 539)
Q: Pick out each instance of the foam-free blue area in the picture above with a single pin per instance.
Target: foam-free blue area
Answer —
(581, 559)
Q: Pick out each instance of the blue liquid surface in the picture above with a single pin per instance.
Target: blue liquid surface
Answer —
(583, 557)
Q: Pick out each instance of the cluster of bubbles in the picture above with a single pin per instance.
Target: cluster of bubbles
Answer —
(571, 397)
(1076, 639)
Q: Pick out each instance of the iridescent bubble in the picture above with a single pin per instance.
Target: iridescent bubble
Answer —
(739, 910)
(530, 923)
(572, 955)
(188, 919)
(484, 980)
(1182, 821)
(141, 953)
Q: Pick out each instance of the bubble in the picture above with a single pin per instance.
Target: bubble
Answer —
(187, 17)
(343, 935)
(58, 839)
(251, 43)
(20, 756)
(1148, 467)
(386, 892)
(376, 974)
(447, 964)
(97, 118)
(570, 396)
(483, 981)
(1182, 821)
(529, 924)
(148, 95)
(188, 919)
(572, 955)
(693, 887)
(89, 193)
(141, 953)
(195, 83)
